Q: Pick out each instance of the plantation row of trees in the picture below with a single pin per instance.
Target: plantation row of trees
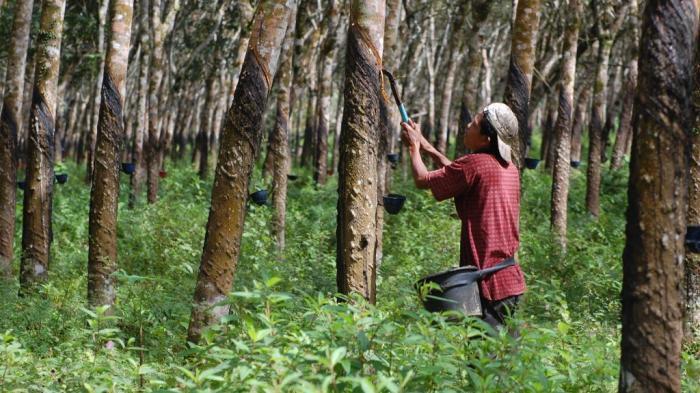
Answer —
(112, 82)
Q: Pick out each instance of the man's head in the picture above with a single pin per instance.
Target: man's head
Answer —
(490, 129)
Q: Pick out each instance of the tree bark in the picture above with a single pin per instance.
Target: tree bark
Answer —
(357, 184)
(104, 196)
(560, 182)
(240, 142)
(519, 82)
(38, 194)
(10, 123)
(652, 299)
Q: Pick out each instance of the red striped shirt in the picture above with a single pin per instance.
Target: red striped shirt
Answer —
(487, 198)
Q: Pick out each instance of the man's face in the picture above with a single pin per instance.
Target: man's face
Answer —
(473, 138)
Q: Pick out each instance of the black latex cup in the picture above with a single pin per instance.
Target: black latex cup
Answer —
(393, 203)
(531, 163)
(259, 197)
(128, 167)
(393, 158)
(575, 164)
(61, 178)
(692, 238)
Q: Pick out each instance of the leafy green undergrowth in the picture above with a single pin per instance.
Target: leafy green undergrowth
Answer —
(287, 331)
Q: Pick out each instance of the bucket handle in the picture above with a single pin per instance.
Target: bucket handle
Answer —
(480, 274)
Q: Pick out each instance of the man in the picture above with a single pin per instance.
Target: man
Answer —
(485, 186)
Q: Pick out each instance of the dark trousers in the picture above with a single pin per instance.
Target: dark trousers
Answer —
(496, 313)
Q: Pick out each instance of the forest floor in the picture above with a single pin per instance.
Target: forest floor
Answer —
(286, 332)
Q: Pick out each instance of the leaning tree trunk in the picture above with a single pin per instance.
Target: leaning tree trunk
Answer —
(10, 123)
(691, 328)
(323, 105)
(652, 299)
(279, 145)
(357, 187)
(104, 197)
(38, 193)
(95, 115)
(519, 82)
(562, 138)
(240, 142)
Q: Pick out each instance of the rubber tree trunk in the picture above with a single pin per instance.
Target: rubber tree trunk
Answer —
(95, 114)
(160, 29)
(607, 31)
(579, 121)
(468, 105)
(279, 145)
(388, 122)
(323, 105)
(245, 15)
(240, 141)
(357, 183)
(205, 123)
(519, 82)
(691, 328)
(38, 193)
(10, 123)
(446, 101)
(560, 182)
(613, 110)
(624, 131)
(137, 178)
(104, 197)
(652, 298)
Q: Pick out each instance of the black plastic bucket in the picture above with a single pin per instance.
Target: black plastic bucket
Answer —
(259, 197)
(531, 163)
(61, 178)
(458, 291)
(128, 167)
(393, 203)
